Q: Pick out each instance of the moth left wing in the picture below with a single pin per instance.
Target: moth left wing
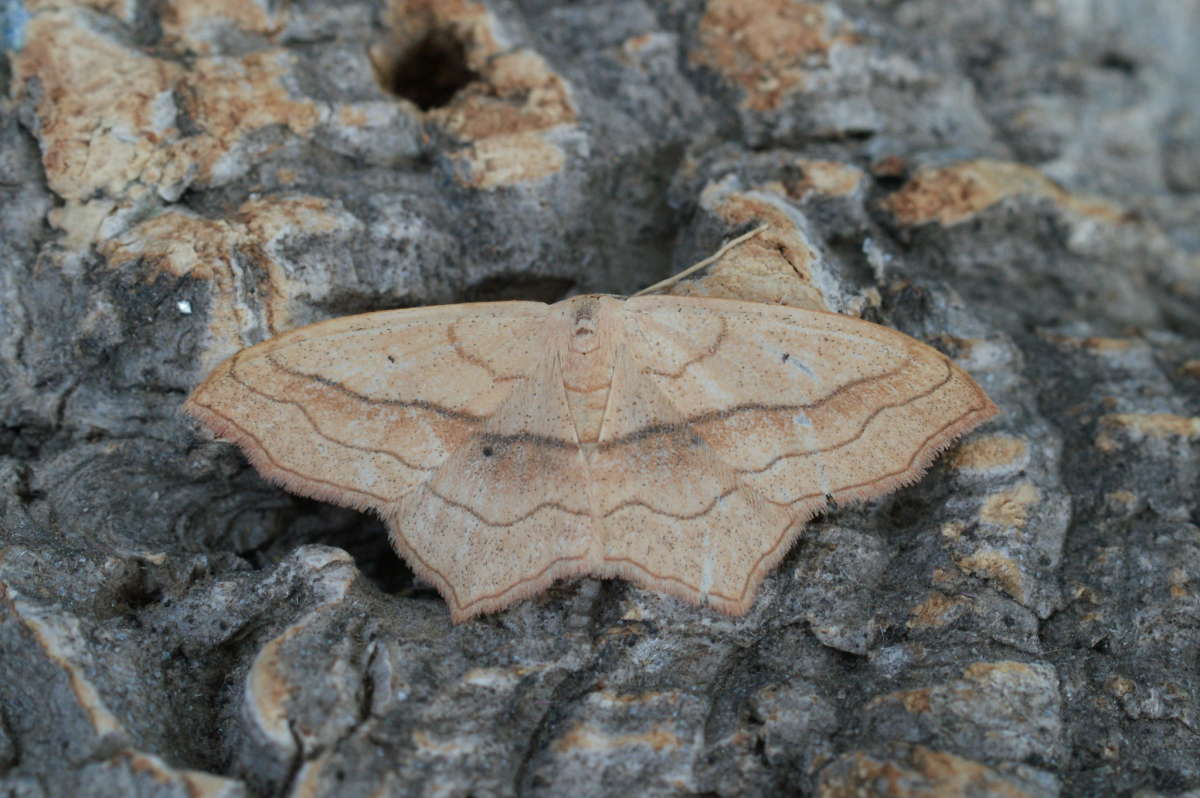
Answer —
(362, 409)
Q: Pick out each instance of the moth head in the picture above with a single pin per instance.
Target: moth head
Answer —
(587, 317)
(583, 337)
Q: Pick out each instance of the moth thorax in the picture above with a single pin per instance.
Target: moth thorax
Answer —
(590, 326)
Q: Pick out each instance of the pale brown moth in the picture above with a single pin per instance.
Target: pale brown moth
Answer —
(677, 442)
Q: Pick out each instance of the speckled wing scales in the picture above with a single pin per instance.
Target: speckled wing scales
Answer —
(797, 407)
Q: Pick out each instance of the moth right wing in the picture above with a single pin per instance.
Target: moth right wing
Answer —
(731, 423)
(675, 516)
(805, 406)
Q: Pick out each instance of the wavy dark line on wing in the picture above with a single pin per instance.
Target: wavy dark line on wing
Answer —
(573, 389)
(246, 434)
(317, 428)
(475, 360)
(421, 404)
(527, 437)
(455, 415)
(707, 353)
(675, 579)
(678, 516)
(503, 524)
(859, 433)
(908, 467)
(730, 412)
(513, 586)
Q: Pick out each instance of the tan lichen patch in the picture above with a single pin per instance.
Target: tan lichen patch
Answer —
(829, 178)
(926, 773)
(1122, 501)
(1000, 671)
(1177, 582)
(952, 530)
(493, 678)
(519, 93)
(1138, 427)
(889, 166)
(120, 9)
(507, 117)
(635, 45)
(1081, 592)
(106, 113)
(996, 567)
(991, 454)
(185, 245)
(108, 125)
(1014, 703)
(192, 783)
(774, 267)
(506, 160)
(834, 178)
(191, 26)
(353, 116)
(1097, 346)
(589, 738)
(82, 222)
(936, 611)
(633, 613)
(268, 689)
(1010, 508)
(143, 763)
(610, 699)
(953, 194)
(428, 743)
(916, 701)
(957, 776)
(231, 97)
(1120, 686)
(176, 243)
(766, 47)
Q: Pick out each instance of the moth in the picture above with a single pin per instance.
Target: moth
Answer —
(680, 443)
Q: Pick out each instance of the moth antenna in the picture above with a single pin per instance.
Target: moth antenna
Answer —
(713, 258)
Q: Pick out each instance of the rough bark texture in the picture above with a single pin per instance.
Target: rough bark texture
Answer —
(1017, 183)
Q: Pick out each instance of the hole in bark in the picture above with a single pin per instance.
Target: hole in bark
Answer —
(430, 72)
(511, 286)
(1118, 62)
